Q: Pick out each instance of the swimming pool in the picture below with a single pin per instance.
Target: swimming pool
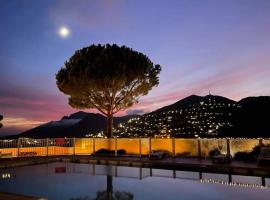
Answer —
(73, 181)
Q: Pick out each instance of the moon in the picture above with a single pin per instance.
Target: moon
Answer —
(63, 32)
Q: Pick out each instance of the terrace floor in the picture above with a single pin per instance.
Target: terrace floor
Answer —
(189, 164)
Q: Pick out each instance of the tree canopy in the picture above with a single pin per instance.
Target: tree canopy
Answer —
(107, 77)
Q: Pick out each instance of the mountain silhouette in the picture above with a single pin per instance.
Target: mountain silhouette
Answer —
(204, 116)
(75, 125)
(193, 116)
(252, 120)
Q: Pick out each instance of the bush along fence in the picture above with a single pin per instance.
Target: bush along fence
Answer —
(185, 147)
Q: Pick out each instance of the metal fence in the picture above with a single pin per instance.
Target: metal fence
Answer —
(187, 147)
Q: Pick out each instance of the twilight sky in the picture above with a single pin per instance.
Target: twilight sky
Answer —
(218, 45)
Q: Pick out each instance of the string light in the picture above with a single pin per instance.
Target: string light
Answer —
(246, 185)
(6, 176)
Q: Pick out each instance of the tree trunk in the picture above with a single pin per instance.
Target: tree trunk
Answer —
(109, 187)
(109, 126)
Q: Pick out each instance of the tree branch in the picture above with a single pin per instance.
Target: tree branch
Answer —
(127, 93)
(90, 98)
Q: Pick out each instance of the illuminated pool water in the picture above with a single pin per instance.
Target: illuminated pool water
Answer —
(69, 181)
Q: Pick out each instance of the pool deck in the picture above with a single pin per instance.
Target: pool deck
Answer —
(188, 164)
(10, 196)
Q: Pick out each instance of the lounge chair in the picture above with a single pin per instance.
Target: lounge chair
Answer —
(158, 155)
(221, 158)
(27, 154)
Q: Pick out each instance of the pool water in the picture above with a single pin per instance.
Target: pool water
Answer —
(72, 181)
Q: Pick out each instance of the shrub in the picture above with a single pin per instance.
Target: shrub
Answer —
(110, 152)
(103, 152)
(244, 156)
(214, 152)
(121, 152)
(256, 150)
(248, 156)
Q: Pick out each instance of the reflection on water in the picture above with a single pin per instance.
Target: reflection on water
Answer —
(70, 181)
(109, 194)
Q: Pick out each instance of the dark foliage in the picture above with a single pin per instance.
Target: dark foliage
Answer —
(249, 156)
(107, 77)
(214, 152)
(244, 156)
(110, 152)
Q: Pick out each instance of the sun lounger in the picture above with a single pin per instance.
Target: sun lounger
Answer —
(221, 158)
(158, 155)
(27, 154)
